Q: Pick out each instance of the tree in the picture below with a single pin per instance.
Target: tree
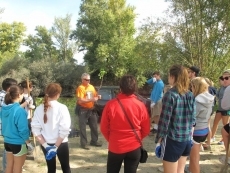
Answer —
(11, 36)
(105, 31)
(201, 32)
(61, 31)
(40, 45)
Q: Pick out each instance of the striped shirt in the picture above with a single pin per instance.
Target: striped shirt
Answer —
(177, 117)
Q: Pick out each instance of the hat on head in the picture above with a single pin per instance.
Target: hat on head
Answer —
(226, 71)
(195, 69)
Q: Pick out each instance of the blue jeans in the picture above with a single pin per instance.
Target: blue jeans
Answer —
(4, 160)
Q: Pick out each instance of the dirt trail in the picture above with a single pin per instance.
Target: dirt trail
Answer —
(94, 160)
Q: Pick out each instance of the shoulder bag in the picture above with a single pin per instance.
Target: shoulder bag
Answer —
(144, 153)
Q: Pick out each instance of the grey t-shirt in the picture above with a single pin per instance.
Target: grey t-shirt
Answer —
(225, 102)
(219, 95)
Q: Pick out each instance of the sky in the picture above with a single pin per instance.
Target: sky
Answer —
(42, 12)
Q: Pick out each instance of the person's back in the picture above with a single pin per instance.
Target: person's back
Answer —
(14, 124)
(204, 103)
(122, 138)
(55, 111)
(50, 125)
(181, 108)
(174, 134)
(6, 84)
(124, 141)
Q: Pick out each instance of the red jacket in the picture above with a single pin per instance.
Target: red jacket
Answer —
(116, 128)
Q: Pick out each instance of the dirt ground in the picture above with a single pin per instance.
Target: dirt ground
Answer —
(94, 160)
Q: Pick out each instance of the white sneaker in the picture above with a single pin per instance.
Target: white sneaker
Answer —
(161, 169)
(213, 139)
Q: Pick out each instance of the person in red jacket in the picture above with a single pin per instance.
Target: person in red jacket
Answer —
(123, 144)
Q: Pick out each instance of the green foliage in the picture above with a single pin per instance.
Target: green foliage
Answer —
(40, 45)
(201, 33)
(11, 37)
(61, 32)
(105, 30)
(42, 72)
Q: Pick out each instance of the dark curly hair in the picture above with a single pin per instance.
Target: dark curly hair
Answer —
(128, 84)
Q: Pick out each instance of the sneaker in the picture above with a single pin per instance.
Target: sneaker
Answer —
(213, 139)
(153, 131)
(220, 143)
(186, 169)
(222, 160)
(161, 169)
(85, 147)
(97, 144)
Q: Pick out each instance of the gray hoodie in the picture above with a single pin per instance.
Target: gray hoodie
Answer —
(204, 102)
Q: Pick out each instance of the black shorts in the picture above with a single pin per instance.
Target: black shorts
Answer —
(226, 128)
(223, 113)
(17, 150)
(199, 139)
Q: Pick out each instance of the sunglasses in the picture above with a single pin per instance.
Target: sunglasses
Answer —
(224, 78)
(87, 80)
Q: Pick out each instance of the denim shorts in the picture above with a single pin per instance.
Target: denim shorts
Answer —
(172, 150)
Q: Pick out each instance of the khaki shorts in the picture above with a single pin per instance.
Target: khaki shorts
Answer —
(156, 110)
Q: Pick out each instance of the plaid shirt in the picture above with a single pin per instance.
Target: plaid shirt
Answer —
(177, 116)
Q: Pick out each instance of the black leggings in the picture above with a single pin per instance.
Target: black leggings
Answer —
(131, 161)
(63, 157)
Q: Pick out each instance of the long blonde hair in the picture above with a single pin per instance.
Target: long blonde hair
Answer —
(199, 85)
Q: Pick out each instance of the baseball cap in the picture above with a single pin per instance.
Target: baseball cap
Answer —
(195, 69)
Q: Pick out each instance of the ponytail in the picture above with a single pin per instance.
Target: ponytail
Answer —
(51, 91)
(13, 94)
(46, 106)
(8, 99)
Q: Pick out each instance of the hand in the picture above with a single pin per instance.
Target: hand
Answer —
(152, 104)
(31, 106)
(51, 153)
(95, 99)
(158, 150)
(154, 79)
(29, 99)
(30, 147)
(47, 147)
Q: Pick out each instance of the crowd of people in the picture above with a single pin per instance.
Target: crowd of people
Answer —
(180, 121)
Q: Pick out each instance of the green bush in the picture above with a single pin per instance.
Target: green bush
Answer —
(42, 72)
